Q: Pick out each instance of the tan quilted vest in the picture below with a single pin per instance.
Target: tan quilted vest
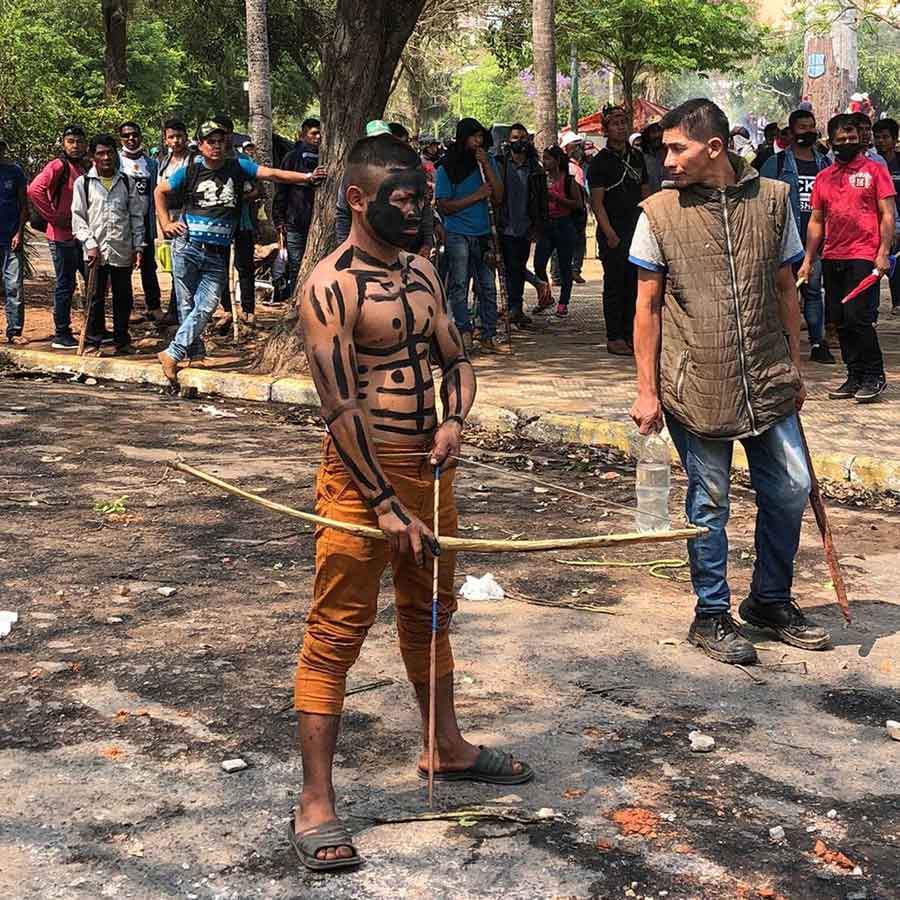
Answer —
(725, 369)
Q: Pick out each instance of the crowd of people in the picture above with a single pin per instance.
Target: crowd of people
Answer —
(107, 204)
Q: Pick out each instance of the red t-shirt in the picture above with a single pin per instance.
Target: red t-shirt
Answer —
(848, 197)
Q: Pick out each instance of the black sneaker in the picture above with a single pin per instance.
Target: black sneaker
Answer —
(847, 391)
(64, 342)
(520, 320)
(870, 390)
(720, 638)
(895, 310)
(108, 338)
(787, 620)
(821, 354)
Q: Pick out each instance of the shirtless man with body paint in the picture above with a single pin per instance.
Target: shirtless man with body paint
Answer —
(375, 320)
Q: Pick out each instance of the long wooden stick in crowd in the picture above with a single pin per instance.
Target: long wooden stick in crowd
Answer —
(498, 256)
(89, 292)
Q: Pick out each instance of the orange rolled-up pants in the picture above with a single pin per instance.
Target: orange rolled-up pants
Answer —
(348, 575)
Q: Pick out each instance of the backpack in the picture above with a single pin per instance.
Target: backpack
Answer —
(87, 191)
(35, 219)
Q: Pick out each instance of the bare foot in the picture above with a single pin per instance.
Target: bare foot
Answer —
(311, 814)
(19, 340)
(169, 366)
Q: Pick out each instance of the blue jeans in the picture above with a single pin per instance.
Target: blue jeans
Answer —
(67, 260)
(813, 299)
(11, 272)
(464, 258)
(199, 277)
(295, 244)
(559, 235)
(780, 478)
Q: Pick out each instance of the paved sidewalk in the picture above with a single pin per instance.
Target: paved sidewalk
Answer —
(560, 381)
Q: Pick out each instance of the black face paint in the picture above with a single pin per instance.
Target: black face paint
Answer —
(389, 222)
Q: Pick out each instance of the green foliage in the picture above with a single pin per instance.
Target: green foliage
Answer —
(635, 37)
(489, 95)
(107, 507)
(187, 59)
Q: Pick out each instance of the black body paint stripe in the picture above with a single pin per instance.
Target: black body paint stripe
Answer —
(317, 307)
(339, 297)
(345, 260)
(400, 364)
(321, 370)
(328, 300)
(409, 432)
(337, 360)
(373, 261)
(398, 512)
(404, 392)
(401, 416)
(394, 348)
(349, 462)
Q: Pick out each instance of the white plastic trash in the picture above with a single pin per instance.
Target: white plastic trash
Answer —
(7, 620)
(484, 588)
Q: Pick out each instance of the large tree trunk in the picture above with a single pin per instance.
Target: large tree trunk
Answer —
(358, 63)
(115, 29)
(260, 89)
(831, 65)
(544, 41)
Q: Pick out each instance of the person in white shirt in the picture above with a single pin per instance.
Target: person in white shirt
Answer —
(143, 170)
(108, 221)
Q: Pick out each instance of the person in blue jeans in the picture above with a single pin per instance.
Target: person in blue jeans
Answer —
(564, 197)
(797, 167)
(212, 191)
(13, 209)
(462, 197)
(717, 337)
(50, 193)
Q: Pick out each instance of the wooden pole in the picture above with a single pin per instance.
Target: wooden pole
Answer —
(432, 675)
(89, 292)
(818, 506)
(455, 544)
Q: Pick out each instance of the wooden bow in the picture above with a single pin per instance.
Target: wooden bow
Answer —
(456, 544)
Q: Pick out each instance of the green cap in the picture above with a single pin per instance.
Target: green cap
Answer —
(208, 128)
(376, 127)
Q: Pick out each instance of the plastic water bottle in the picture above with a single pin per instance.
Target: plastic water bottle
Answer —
(652, 485)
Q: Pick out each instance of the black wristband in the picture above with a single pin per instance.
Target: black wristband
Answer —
(455, 419)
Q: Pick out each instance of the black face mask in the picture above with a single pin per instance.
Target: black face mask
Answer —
(805, 139)
(389, 222)
(518, 146)
(847, 152)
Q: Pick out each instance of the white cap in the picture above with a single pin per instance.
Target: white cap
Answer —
(568, 138)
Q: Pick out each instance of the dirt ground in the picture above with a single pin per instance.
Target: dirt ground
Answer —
(121, 698)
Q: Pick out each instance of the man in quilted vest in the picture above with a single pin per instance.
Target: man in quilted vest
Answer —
(717, 337)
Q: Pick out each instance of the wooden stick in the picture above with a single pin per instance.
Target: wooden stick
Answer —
(498, 255)
(235, 305)
(818, 506)
(88, 303)
(432, 675)
(453, 544)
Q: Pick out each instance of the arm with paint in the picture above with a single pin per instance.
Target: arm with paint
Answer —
(328, 323)
(457, 380)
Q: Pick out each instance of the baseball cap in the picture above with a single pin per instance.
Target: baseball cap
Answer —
(209, 127)
(75, 130)
(376, 127)
(568, 138)
(247, 144)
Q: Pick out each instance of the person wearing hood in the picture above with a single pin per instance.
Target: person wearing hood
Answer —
(462, 195)
(717, 346)
(654, 156)
(798, 167)
(853, 210)
(741, 143)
